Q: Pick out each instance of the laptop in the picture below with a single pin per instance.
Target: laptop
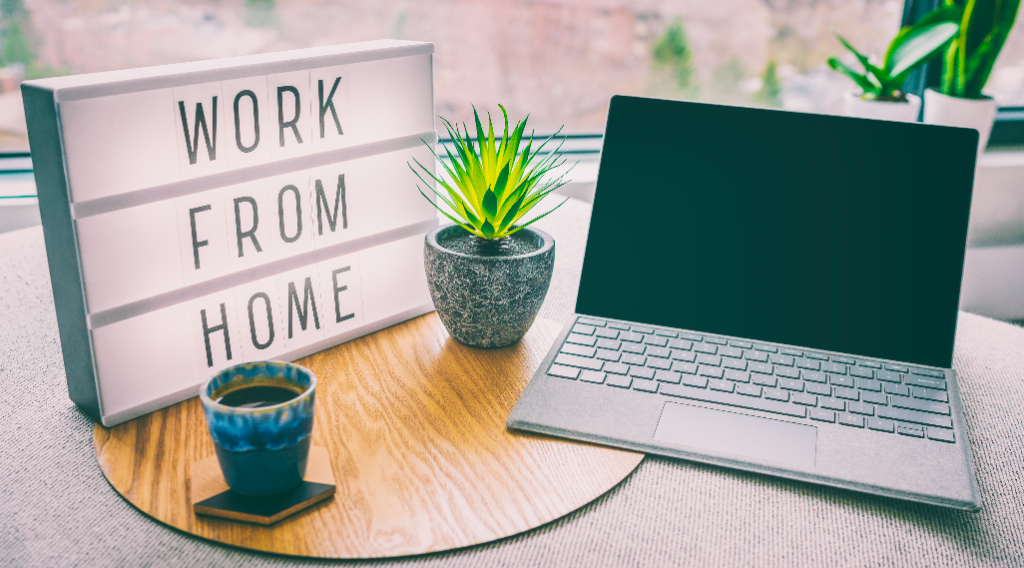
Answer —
(775, 292)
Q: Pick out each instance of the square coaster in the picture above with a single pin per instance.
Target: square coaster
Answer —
(211, 496)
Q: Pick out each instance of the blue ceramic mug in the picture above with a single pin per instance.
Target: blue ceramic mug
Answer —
(262, 443)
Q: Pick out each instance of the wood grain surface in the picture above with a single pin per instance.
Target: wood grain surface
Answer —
(415, 426)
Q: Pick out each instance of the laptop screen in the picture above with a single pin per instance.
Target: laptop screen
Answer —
(818, 231)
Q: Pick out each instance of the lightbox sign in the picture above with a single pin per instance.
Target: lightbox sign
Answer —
(207, 214)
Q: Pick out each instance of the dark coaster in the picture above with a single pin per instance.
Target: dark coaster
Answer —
(211, 496)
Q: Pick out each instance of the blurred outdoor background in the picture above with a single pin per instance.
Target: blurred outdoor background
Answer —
(560, 60)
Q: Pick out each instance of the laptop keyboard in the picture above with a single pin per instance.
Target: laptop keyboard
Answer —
(854, 392)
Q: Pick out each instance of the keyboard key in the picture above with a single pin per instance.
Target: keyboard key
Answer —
(874, 398)
(805, 399)
(793, 352)
(591, 322)
(616, 368)
(631, 337)
(684, 355)
(608, 344)
(620, 326)
(641, 372)
(791, 384)
(818, 388)
(681, 344)
(705, 348)
(715, 340)
(814, 376)
(564, 372)
(923, 405)
(763, 380)
(587, 340)
(871, 364)
(869, 385)
(737, 376)
(748, 390)
(576, 361)
(919, 381)
(738, 364)
(847, 419)
(862, 408)
(666, 333)
(847, 393)
(705, 359)
(621, 381)
(709, 371)
(936, 395)
(895, 367)
(821, 415)
(592, 377)
(941, 435)
(720, 385)
(667, 377)
(583, 329)
(690, 336)
(692, 381)
(862, 372)
(841, 381)
(581, 350)
(759, 356)
(908, 430)
(659, 352)
(782, 360)
(642, 329)
(843, 360)
(763, 368)
(914, 416)
(743, 344)
(655, 340)
(633, 348)
(816, 356)
(881, 424)
(787, 372)
(832, 403)
(902, 390)
(645, 385)
(929, 373)
(607, 333)
(608, 355)
(765, 347)
(887, 376)
(731, 399)
(684, 367)
(837, 368)
(658, 363)
(805, 363)
(776, 394)
(633, 359)
(730, 352)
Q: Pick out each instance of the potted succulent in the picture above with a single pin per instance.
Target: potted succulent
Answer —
(882, 96)
(488, 273)
(984, 27)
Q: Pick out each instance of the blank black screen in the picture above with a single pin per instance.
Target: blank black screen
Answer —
(826, 232)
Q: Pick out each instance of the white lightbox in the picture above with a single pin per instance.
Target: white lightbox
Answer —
(206, 214)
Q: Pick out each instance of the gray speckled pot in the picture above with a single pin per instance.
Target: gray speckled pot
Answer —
(488, 301)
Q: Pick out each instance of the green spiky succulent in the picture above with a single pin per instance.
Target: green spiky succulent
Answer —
(495, 184)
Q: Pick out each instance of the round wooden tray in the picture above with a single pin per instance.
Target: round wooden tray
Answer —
(415, 426)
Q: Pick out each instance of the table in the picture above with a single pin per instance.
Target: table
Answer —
(56, 508)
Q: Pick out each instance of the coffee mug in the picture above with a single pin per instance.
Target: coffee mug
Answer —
(260, 416)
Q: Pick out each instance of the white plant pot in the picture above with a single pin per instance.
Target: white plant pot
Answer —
(880, 110)
(945, 110)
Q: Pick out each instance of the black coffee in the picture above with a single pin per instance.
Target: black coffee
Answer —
(258, 396)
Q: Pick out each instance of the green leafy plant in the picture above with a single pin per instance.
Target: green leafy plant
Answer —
(495, 184)
(912, 46)
(984, 27)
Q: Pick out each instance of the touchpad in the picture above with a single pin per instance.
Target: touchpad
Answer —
(738, 434)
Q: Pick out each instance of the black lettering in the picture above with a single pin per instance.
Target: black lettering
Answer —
(329, 104)
(207, 331)
(252, 321)
(303, 310)
(322, 205)
(192, 144)
(196, 243)
(255, 122)
(338, 290)
(298, 213)
(282, 123)
(251, 233)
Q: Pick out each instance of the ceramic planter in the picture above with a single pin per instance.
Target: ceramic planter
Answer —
(945, 110)
(880, 110)
(486, 295)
